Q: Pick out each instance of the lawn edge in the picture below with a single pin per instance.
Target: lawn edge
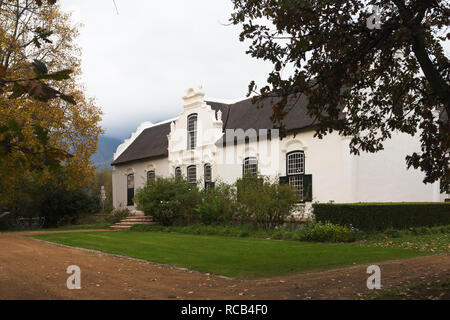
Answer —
(99, 252)
(169, 266)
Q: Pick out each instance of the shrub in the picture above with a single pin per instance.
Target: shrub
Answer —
(382, 216)
(266, 203)
(393, 233)
(170, 201)
(327, 232)
(60, 206)
(118, 215)
(218, 204)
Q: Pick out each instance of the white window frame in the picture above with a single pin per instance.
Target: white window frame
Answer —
(295, 170)
(249, 167)
(192, 122)
(192, 178)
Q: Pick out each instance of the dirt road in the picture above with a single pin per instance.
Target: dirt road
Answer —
(32, 269)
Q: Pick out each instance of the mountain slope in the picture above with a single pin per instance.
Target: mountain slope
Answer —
(107, 146)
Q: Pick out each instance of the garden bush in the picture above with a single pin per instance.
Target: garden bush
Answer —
(61, 206)
(218, 204)
(327, 232)
(118, 215)
(382, 216)
(264, 202)
(170, 201)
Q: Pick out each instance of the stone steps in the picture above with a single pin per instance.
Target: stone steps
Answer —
(130, 221)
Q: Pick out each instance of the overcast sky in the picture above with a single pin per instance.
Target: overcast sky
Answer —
(138, 64)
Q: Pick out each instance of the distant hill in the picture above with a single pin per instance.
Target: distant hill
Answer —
(107, 146)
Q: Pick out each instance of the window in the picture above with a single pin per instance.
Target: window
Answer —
(296, 163)
(130, 190)
(192, 174)
(192, 132)
(208, 176)
(250, 166)
(151, 176)
(295, 170)
(178, 172)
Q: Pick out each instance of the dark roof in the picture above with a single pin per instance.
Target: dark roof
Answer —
(245, 114)
(151, 143)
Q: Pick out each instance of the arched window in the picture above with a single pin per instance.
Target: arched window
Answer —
(130, 190)
(178, 173)
(250, 166)
(192, 174)
(208, 176)
(151, 176)
(295, 175)
(192, 132)
(295, 163)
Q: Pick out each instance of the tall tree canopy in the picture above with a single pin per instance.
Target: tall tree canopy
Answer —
(388, 72)
(45, 118)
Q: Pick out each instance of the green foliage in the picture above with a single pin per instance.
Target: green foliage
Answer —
(55, 202)
(327, 232)
(118, 215)
(382, 216)
(218, 204)
(170, 201)
(61, 206)
(264, 202)
(388, 79)
(310, 232)
(251, 200)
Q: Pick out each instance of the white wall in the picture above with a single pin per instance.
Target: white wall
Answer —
(384, 177)
(139, 169)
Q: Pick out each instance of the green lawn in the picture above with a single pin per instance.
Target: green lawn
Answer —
(234, 257)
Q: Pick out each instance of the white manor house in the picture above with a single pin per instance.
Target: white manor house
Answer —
(217, 141)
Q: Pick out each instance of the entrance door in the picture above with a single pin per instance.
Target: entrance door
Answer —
(130, 190)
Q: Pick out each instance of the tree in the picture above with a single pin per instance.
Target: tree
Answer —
(41, 126)
(28, 80)
(391, 76)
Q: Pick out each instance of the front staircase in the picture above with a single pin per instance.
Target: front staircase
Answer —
(130, 221)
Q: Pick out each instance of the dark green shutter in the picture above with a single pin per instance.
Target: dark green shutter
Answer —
(130, 197)
(308, 193)
(284, 180)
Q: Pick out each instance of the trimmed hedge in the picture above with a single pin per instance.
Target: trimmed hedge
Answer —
(382, 216)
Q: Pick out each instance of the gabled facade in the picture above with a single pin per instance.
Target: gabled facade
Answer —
(215, 141)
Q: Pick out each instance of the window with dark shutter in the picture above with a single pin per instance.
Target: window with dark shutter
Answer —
(295, 175)
(192, 132)
(130, 190)
(308, 182)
